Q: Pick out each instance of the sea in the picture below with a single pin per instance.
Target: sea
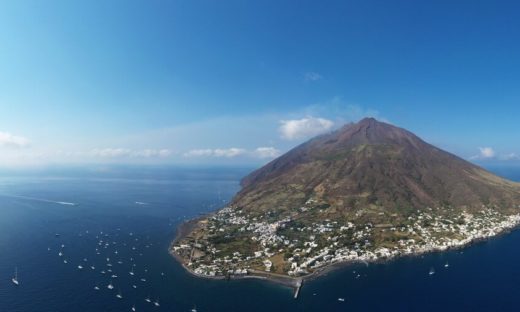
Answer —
(124, 219)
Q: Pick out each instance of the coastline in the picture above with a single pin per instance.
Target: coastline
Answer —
(296, 282)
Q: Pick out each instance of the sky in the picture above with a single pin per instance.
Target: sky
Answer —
(241, 82)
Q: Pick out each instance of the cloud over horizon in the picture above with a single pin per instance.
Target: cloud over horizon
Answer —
(9, 140)
(260, 152)
(126, 152)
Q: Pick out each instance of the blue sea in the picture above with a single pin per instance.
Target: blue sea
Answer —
(135, 212)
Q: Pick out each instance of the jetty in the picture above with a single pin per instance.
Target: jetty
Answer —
(297, 288)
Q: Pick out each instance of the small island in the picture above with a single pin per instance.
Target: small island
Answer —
(365, 193)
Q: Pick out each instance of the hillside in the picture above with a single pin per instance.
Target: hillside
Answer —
(365, 192)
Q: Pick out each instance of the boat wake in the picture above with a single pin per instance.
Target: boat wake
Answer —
(41, 200)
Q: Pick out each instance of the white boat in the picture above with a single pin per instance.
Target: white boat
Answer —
(80, 267)
(119, 295)
(341, 299)
(143, 279)
(103, 272)
(110, 286)
(446, 265)
(133, 308)
(432, 271)
(65, 261)
(114, 276)
(156, 303)
(15, 277)
(132, 271)
(60, 253)
(148, 299)
(134, 286)
(96, 287)
(92, 267)
(194, 309)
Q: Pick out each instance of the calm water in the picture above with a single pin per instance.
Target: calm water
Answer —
(484, 277)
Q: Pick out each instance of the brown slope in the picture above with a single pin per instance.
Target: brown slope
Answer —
(373, 164)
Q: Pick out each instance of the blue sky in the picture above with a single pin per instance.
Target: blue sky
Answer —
(240, 82)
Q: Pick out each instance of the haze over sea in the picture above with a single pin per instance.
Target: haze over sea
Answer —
(136, 207)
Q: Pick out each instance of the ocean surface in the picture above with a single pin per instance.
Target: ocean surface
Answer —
(134, 213)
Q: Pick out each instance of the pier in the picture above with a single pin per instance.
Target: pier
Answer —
(298, 286)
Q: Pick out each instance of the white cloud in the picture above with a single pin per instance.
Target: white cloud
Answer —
(510, 156)
(312, 76)
(219, 152)
(260, 152)
(230, 152)
(266, 152)
(303, 128)
(125, 152)
(9, 140)
(486, 152)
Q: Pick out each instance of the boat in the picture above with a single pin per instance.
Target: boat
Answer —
(119, 295)
(114, 276)
(96, 287)
(446, 265)
(65, 261)
(60, 253)
(194, 309)
(80, 267)
(133, 308)
(103, 272)
(134, 286)
(341, 299)
(92, 267)
(15, 277)
(143, 279)
(432, 271)
(156, 303)
(132, 271)
(110, 286)
(147, 299)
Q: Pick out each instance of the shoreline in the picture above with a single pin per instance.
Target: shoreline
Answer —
(296, 282)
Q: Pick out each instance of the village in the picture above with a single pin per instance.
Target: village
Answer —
(233, 243)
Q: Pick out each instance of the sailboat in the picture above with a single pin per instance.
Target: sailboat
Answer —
(15, 277)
